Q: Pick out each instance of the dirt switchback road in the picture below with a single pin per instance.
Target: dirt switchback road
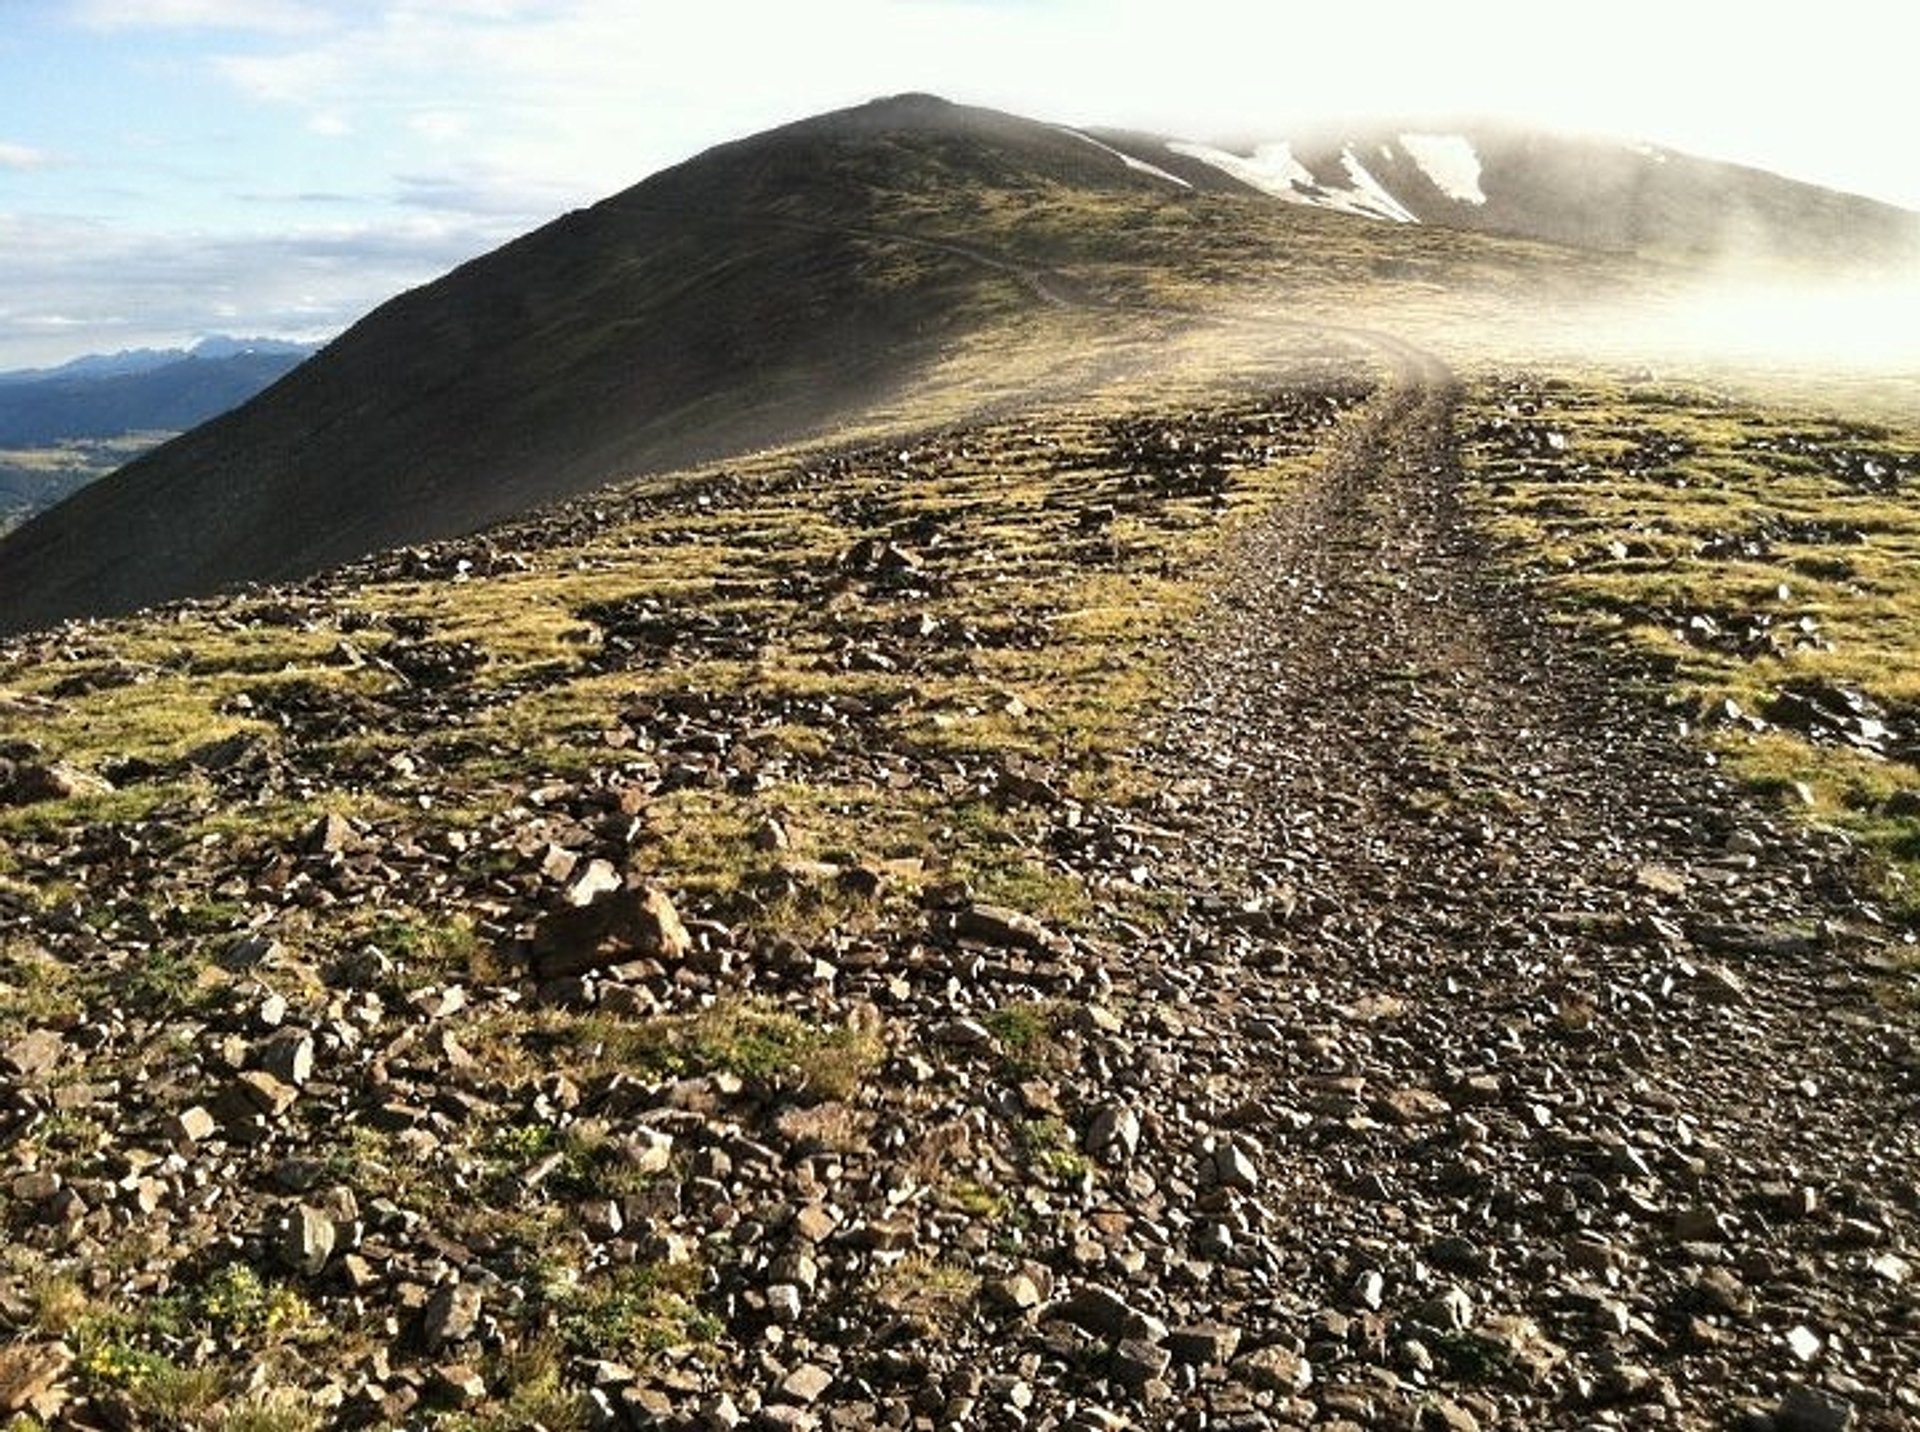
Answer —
(1539, 1069)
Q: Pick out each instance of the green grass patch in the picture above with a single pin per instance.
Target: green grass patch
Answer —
(1741, 539)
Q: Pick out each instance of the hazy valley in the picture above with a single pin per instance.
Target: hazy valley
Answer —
(62, 428)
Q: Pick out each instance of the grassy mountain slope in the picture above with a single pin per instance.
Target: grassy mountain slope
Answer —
(768, 289)
(681, 319)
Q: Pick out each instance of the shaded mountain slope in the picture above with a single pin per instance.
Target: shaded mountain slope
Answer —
(769, 289)
(673, 322)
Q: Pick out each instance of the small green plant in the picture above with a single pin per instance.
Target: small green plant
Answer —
(976, 1200)
(1474, 1357)
(35, 988)
(753, 1039)
(107, 1360)
(73, 1133)
(428, 951)
(165, 980)
(516, 1144)
(637, 1312)
(529, 1379)
(267, 1412)
(235, 1301)
(763, 1042)
(1052, 1150)
(1027, 1034)
(58, 1304)
(175, 1396)
(943, 1293)
(203, 917)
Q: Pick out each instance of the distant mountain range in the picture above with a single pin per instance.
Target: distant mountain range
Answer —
(139, 390)
(778, 286)
(142, 360)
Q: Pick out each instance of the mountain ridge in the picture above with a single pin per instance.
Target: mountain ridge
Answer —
(1581, 190)
(139, 360)
(771, 287)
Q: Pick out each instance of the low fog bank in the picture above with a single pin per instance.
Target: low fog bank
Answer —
(1854, 325)
(1783, 324)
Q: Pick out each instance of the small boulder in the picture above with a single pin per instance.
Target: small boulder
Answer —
(303, 1240)
(635, 922)
(330, 835)
(1806, 1409)
(1275, 1369)
(30, 1374)
(34, 1054)
(1205, 1344)
(288, 1057)
(35, 782)
(1008, 929)
(1106, 1314)
(452, 1315)
(1114, 1134)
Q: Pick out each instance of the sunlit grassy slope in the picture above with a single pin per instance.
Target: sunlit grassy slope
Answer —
(1756, 539)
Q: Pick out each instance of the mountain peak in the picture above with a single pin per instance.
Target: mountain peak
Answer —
(910, 102)
(220, 345)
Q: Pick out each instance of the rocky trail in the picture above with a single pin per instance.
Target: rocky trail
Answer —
(1491, 1062)
(1544, 1060)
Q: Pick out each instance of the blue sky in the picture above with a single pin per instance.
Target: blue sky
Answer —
(170, 168)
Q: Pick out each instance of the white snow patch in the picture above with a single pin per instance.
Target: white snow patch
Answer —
(1271, 168)
(1658, 156)
(1450, 161)
(1127, 159)
(1368, 189)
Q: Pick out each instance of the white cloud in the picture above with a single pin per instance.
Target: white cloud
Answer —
(475, 191)
(105, 287)
(285, 17)
(21, 156)
(440, 126)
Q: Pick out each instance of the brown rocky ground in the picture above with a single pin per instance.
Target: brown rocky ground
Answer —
(747, 1009)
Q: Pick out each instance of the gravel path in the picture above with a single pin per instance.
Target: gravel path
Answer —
(1557, 1064)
